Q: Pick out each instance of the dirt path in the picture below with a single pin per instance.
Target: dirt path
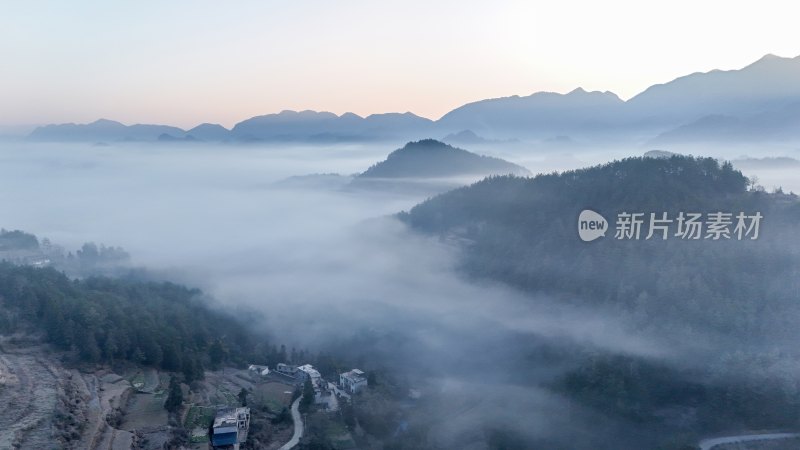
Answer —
(298, 427)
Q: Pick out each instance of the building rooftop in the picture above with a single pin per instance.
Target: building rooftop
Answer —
(355, 375)
(262, 370)
(310, 370)
(230, 427)
(228, 417)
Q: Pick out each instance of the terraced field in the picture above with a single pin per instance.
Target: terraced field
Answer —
(28, 385)
(46, 406)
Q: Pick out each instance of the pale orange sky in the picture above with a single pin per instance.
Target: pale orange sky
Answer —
(186, 62)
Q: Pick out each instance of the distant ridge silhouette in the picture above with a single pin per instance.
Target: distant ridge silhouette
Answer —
(759, 101)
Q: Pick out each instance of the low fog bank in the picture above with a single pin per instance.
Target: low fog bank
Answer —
(378, 276)
(324, 260)
(331, 269)
(169, 204)
(327, 269)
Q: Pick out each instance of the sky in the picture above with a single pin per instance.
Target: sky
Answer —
(187, 62)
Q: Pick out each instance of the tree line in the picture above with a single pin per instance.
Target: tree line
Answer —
(105, 320)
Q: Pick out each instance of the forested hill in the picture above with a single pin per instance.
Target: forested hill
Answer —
(524, 231)
(433, 159)
(724, 308)
(645, 183)
(103, 320)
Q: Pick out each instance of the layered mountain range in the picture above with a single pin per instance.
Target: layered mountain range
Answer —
(758, 102)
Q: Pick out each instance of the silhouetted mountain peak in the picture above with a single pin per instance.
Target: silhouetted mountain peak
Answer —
(102, 129)
(327, 126)
(429, 158)
(580, 92)
(770, 62)
(423, 145)
(209, 132)
(541, 113)
(769, 83)
(209, 126)
(304, 114)
(104, 122)
(464, 137)
(350, 115)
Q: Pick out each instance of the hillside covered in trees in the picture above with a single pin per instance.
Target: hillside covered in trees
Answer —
(103, 320)
(430, 158)
(724, 309)
(524, 232)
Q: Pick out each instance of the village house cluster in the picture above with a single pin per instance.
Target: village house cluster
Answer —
(326, 394)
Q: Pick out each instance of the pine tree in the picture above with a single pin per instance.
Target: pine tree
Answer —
(308, 396)
(174, 397)
(216, 354)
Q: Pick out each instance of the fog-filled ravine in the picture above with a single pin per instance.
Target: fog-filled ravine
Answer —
(481, 302)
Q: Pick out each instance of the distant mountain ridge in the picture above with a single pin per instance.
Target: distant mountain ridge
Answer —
(101, 130)
(781, 123)
(759, 101)
(313, 125)
(541, 112)
(771, 82)
(210, 132)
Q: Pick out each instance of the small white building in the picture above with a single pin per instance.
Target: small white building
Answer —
(258, 370)
(286, 369)
(307, 371)
(353, 381)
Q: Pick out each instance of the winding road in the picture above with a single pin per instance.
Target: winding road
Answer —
(709, 444)
(298, 426)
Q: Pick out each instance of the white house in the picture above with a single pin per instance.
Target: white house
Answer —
(307, 371)
(286, 369)
(258, 370)
(353, 381)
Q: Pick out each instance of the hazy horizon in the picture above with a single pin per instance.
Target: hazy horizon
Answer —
(409, 282)
(185, 63)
